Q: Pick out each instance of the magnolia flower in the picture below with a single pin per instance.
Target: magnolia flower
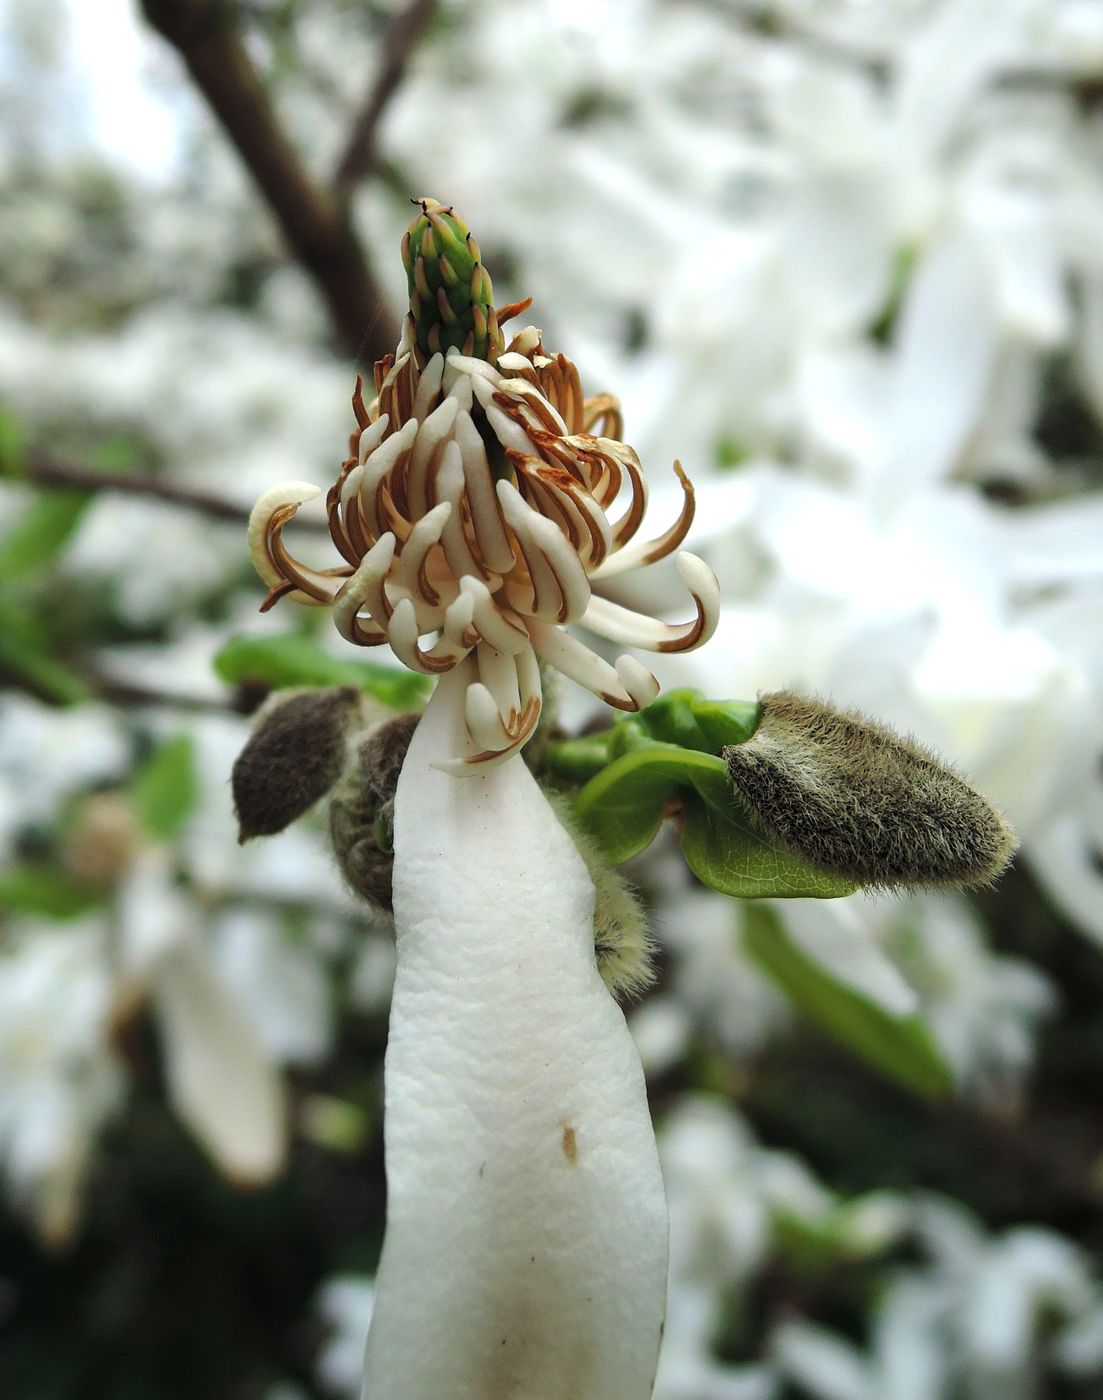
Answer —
(526, 1243)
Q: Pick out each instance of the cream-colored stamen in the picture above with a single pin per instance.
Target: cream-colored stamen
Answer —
(475, 515)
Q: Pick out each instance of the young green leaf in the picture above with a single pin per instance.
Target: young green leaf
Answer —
(686, 718)
(624, 805)
(294, 660)
(900, 1046)
(165, 789)
(23, 656)
(41, 533)
(46, 891)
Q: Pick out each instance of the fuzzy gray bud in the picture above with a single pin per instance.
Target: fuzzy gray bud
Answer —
(361, 815)
(294, 756)
(854, 798)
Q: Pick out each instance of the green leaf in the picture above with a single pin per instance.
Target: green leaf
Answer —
(847, 1229)
(624, 805)
(686, 718)
(579, 759)
(43, 890)
(41, 533)
(165, 788)
(290, 659)
(115, 453)
(13, 446)
(901, 1047)
(726, 853)
(23, 657)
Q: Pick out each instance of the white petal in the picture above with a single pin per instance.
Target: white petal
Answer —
(944, 359)
(219, 1080)
(525, 1250)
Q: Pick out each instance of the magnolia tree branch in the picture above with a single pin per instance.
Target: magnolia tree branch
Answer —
(399, 42)
(47, 471)
(314, 220)
(125, 695)
(53, 474)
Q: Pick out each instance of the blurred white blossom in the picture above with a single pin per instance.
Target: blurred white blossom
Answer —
(841, 259)
(60, 1080)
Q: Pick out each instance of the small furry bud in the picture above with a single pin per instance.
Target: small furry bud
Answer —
(295, 754)
(623, 945)
(622, 940)
(103, 840)
(852, 797)
(361, 815)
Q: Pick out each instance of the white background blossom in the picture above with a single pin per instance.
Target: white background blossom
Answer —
(843, 262)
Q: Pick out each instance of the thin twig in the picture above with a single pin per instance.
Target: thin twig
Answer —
(124, 695)
(67, 476)
(53, 474)
(405, 29)
(315, 221)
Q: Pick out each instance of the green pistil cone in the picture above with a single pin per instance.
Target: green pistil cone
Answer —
(450, 292)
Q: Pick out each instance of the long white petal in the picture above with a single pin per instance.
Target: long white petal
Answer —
(219, 1080)
(525, 1252)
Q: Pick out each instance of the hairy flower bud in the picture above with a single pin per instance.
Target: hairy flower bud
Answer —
(361, 815)
(294, 756)
(856, 799)
(103, 839)
(450, 291)
(623, 946)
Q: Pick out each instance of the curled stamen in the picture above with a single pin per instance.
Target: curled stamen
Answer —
(619, 624)
(457, 548)
(371, 437)
(286, 498)
(498, 672)
(640, 553)
(388, 456)
(501, 629)
(477, 509)
(602, 411)
(459, 626)
(486, 516)
(366, 589)
(567, 654)
(403, 634)
(411, 562)
(542, 593)
(528, 678)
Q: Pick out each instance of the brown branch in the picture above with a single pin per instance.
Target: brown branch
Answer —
(123, 695)
(399, 42)
(66, 476)
(314, 221)
(47, 471)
